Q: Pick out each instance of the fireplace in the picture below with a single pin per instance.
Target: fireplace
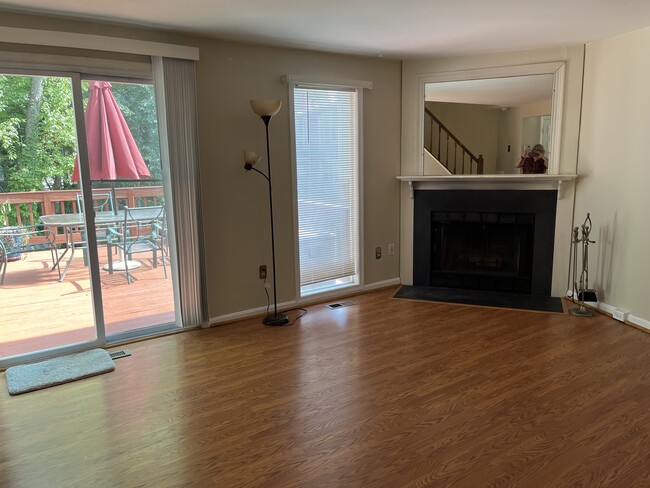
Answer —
(497, 240)
(482, 250)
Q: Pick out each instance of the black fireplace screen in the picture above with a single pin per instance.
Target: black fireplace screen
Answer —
(482, 250)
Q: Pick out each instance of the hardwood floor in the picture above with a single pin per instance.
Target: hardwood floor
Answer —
(387, 393)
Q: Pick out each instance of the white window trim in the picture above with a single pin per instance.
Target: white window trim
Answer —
(294, 81)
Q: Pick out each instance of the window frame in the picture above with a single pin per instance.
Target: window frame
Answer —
(294, 82)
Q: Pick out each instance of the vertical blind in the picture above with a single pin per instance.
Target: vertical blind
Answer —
(176, 79)
(327, 161)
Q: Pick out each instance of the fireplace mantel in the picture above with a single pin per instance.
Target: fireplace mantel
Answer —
(487, 182)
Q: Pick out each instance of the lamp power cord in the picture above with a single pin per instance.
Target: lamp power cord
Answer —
(268, 306)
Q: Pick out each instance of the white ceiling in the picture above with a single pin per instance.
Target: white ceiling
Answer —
(495, 92)
(392, 28)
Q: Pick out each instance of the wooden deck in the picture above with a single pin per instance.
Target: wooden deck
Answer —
(385, 393)
(39, 312)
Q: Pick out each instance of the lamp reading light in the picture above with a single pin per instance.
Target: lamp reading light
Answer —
(251, 158)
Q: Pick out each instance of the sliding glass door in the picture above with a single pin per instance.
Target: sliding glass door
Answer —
(85, 243)
(130, 203)
(38, 147)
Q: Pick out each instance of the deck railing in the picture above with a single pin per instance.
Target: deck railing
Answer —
(27, 207)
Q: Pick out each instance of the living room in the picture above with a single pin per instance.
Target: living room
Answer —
(603, 119)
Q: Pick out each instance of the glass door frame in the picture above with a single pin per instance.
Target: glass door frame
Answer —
(101, 340)
(89, 222)
(158, 329)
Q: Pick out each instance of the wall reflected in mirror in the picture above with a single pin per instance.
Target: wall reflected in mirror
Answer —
(484, 126)
(536, 130)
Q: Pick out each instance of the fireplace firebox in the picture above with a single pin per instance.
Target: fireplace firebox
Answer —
(482, 250)
(497, 240)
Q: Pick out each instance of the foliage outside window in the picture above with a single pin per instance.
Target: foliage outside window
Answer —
(38, 142)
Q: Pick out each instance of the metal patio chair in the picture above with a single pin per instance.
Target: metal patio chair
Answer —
(15, 241)
(142, 230)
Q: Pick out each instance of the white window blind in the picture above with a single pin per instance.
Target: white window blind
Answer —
(327, 162)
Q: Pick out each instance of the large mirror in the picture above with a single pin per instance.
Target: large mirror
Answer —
(490, 126)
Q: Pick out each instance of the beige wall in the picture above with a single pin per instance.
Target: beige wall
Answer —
(613, 182)
(66, 24)
(235, 203)
(614, 170)
(433, 167)
(510, 133)
(477, 127)
(412, 73)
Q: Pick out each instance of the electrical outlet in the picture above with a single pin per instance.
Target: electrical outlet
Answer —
(378, 253)
(619, 315)
(391, 249)
(262, 271)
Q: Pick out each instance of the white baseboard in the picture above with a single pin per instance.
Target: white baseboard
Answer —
(633, 319)
(254, 312)
(382, 284)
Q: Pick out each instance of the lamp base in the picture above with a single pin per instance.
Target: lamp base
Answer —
(277, 319)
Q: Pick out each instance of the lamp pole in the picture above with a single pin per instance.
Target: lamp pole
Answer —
(274, 319)
(266, 109)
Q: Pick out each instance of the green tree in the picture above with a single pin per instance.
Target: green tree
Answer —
(37, 133)
(37, 130)
(138, 104)
(14, 95)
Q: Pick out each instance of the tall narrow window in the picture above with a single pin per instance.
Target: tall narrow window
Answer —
(326, 125)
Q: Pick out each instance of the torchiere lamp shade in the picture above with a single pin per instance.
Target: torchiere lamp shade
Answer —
(266, 107)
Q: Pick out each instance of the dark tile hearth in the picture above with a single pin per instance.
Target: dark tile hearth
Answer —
(482, 298)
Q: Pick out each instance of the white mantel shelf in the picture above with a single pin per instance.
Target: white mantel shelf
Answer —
(487, 182)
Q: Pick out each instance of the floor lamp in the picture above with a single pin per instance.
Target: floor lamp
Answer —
(266, 109)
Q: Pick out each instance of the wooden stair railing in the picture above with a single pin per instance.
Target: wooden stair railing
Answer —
(451, 162)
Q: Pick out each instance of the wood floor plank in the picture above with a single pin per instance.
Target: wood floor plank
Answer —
(386, 393)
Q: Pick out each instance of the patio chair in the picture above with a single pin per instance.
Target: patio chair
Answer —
(141, 231)
(102, 202)
(14, 241)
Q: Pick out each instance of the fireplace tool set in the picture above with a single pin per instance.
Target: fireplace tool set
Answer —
(580, 239)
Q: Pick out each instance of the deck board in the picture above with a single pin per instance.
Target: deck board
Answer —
(38, 312)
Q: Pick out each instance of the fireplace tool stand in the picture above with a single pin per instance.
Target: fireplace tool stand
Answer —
(581, 287)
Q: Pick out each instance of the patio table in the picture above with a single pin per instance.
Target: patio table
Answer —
(75, 221)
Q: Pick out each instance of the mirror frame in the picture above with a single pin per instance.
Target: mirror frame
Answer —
(555, 68)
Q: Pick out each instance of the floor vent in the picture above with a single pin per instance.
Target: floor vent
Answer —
(122, 353)
(345, 303)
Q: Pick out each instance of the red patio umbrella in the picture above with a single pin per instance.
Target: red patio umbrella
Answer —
(112, 151)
